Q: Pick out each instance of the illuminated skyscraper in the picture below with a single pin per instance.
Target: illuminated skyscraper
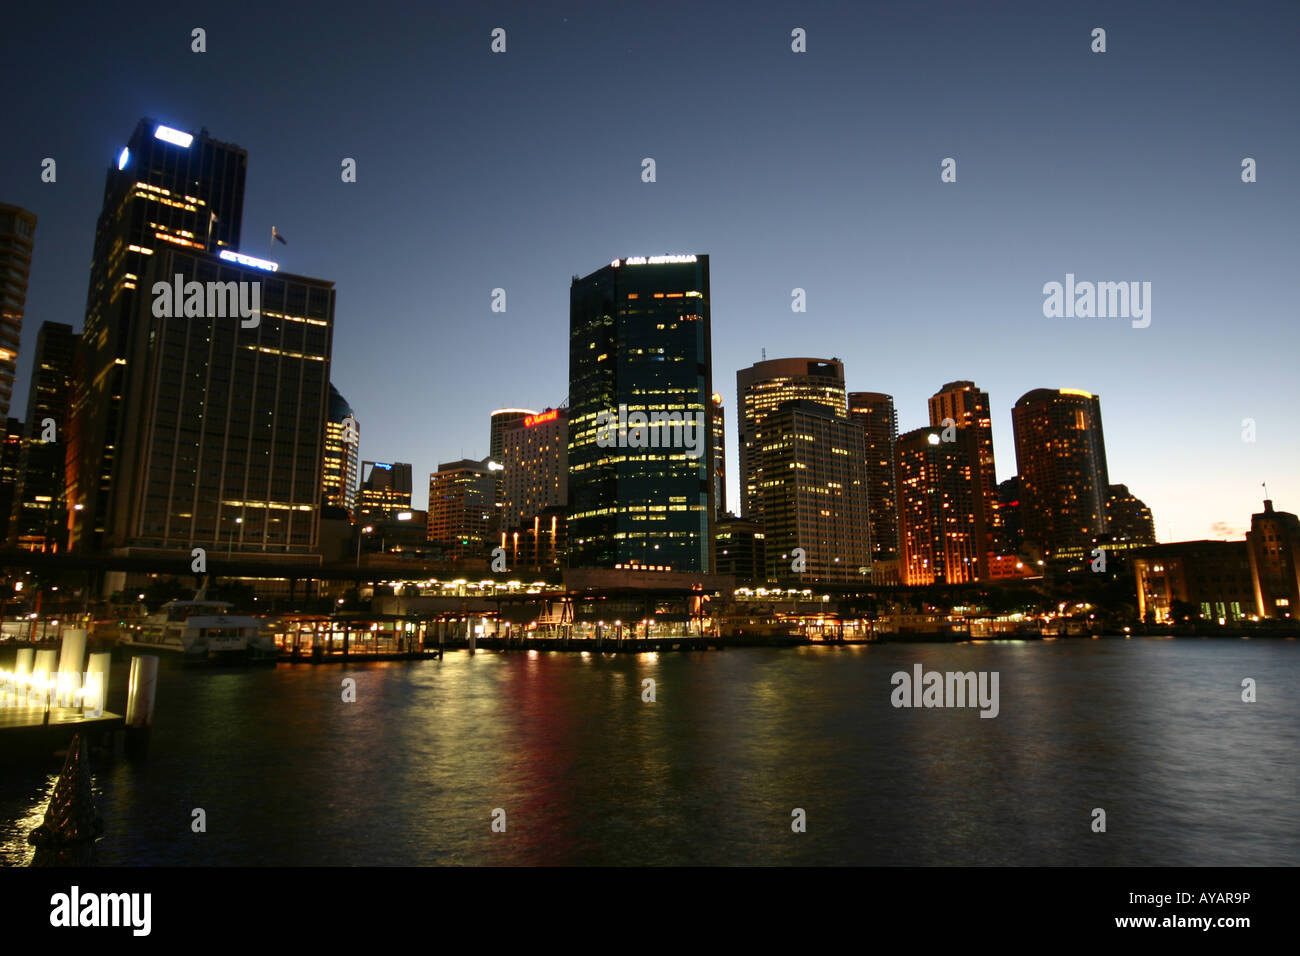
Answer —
(940, 521)
(1061, 458)
(11, 447)
(502, 419)
(968, 407)
(875, 412)
(760, 390)
(1128, 520)
(223, 425)
(385, 491)
(461, 495)
(167, 189)
(639, 353)
(39, 513)
(534, 454)
(17, 226)
(719, 459)
(813, 464)
(341, 468)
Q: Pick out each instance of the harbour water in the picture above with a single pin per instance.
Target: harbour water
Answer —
(1152, 731)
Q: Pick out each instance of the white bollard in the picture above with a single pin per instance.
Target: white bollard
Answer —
(97, 683)
(72, 662)
(139, 703)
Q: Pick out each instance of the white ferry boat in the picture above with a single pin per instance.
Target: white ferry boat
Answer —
(202, 630)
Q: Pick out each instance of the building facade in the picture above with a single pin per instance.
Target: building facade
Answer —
(385, 491)
(223, 422)
(534, 478)
(941, 527)
(1061, 461)
(1273, 543)
(640, 423)
(876, 413)
(341, 466)
(814, 493)
(39, 516)
(17, 232)
(168, 190)
(968, 407)
(461, 500)
(760, 390)
(1213, 577)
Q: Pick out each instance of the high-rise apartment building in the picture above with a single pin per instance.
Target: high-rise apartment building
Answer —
(640, 423)
(875, 412)
(168, 190)
(17, 228)
(1128, 520)
(1061, 460)
(965, 406)
(941, 528)
(760, 390)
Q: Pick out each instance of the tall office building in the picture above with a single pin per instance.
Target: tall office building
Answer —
(875, 412)
(39, 519)
(341, 466)
(719, 459)
(760, 390)
(741, 550)
(17, 227)
(813, 463)
(168, 190)
(640, 415)
(222, 424)
(968, 407)
(534, 454)
(461, 495)
(502, 419)
(1274, 545)
(941, 530)
(11, 446)
(1061, 459)
(385, 491)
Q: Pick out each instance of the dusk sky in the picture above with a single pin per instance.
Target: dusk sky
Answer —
(817, 170)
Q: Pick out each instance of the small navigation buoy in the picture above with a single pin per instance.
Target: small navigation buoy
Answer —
(72, 824)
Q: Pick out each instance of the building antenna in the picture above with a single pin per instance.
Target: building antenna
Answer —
(1265, 484)
(764, 355)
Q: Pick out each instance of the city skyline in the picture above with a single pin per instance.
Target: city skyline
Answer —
(953, 272)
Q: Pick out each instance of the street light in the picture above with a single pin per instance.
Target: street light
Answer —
(230, 543)
(364, 531)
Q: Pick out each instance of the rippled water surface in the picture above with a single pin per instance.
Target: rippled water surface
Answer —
(1152, 731)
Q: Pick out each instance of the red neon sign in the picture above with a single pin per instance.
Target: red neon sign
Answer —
(531, 420)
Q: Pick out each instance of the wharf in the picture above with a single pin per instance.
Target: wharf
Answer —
(25, 730)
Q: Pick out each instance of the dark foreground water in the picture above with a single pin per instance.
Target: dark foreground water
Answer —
(1152, 731)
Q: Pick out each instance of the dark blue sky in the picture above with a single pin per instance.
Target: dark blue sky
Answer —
(817, 170)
